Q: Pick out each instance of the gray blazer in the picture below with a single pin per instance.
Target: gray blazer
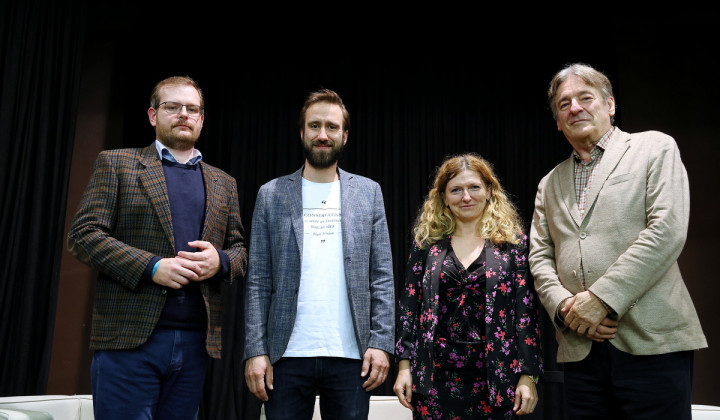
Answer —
(274, 266)
(629, 241)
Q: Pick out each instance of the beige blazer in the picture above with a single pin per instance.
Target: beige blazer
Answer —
(633, 231)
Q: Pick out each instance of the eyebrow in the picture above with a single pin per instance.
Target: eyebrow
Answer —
(581, 93)
(320, 121)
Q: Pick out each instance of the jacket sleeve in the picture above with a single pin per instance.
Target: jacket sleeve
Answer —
(542, 259)
(382, 283)
(527, 323)
(90, 238)
(234, 243)
(409, 305)
(259, 282)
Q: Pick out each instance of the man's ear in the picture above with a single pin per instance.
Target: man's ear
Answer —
(152, 116)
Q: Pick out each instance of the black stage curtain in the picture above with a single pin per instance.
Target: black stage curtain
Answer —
(40, 50)
(411, 105)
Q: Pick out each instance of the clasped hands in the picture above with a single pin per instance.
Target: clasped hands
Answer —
(180, 270)
(585, 314)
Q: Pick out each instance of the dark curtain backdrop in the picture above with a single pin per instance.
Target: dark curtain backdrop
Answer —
(416, 92)
(40, 50)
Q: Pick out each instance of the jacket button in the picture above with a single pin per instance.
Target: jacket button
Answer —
(582, 235)
(164, 292)
(574, 273)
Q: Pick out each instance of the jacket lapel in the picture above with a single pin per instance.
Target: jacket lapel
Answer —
(293, 185)
(566, 176)
(436, 256)
(347, 214)
(152, 178)
(212, 195)
(616, 149)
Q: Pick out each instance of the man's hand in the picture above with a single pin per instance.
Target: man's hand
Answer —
(258, 374)
(403, 384)
(605, 331)
(565, 306)
(376, 362)
(175, 272)
(584, 313)
(206, 259)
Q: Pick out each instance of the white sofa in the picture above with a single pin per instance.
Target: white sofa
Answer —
(705, 412)
(79, 407)
(40, 407)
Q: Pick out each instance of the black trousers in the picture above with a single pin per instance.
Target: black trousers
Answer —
(611, 384)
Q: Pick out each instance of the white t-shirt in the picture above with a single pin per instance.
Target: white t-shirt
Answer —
(323, 325)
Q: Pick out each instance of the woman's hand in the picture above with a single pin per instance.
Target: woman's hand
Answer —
(526, 396)
(403, 384)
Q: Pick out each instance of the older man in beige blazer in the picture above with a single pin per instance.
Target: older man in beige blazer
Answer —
(609, 225)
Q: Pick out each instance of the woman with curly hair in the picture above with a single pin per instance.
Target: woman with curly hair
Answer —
(468, 334)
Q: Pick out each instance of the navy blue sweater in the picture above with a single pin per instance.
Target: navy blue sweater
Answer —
(185, 308)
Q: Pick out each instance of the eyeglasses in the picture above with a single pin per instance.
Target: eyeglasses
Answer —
(175, 108)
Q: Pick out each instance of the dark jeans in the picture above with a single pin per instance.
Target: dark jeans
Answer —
(611, 384)
(297, 380)
(161, 379)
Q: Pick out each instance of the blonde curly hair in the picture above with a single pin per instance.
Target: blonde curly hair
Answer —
(500, 220)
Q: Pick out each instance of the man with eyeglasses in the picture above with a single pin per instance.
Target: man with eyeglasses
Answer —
(163, 230)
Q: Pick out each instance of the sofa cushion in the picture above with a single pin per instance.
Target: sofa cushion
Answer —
(60, 407)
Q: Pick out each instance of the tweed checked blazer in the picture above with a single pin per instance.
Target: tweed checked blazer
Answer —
(275, 260)
(628, 244)
(123, 221)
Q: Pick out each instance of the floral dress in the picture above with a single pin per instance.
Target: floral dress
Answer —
(468, 333)
(459, 384)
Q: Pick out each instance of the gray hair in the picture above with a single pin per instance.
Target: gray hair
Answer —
(588, 74)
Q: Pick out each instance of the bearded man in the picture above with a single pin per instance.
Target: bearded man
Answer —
(163, 230)
(319, 309)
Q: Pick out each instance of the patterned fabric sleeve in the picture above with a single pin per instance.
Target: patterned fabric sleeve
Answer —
(527, 326)
(234, 244)
(409, 305)
(93, 233)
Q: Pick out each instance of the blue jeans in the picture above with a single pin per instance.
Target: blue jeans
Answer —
(297, 380)
(161, 379)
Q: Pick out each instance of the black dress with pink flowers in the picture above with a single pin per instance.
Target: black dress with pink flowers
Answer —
(469, 333)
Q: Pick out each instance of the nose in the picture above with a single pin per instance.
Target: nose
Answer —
(183, 111)
(575, 106)
(466, 195)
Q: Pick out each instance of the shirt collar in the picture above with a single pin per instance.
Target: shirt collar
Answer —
(600, 146)
(165, 153)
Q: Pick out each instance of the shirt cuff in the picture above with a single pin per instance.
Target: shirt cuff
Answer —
(147, 275)
(224, 265)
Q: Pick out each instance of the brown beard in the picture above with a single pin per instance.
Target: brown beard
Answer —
(321, 159)
(176, 143)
